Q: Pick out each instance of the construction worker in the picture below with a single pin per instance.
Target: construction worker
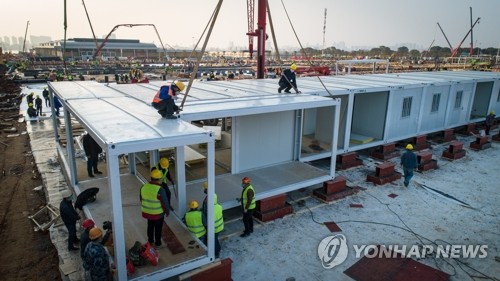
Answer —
(218, 218)
(154, 207)
(164, 102)
(31, 111)
(69, 216)
(490, 120)
(288, 80)
(92, 150)
(162, 166)
(87, 225)
(30, 98)
(409, 163)
(45, 95)
(248, 205)
(194, 221)
(96, 258)
(38, 105)
(57, 105)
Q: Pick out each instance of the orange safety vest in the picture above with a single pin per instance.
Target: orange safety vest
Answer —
(157, 99)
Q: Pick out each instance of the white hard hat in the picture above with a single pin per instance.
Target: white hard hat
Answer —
(66, 193)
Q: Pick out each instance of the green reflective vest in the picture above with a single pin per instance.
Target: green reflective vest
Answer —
(219, 220)
(244, 198)
(150, 203)
(194, 223)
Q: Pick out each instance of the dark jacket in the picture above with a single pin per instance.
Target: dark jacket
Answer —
(31, 112)
(490, 120)
(96, 261)
(84, 241)
(290, 75)
(92, 149)
(409, 160)
(68, 213)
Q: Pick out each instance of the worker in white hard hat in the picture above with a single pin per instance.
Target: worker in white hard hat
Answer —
(409, 163)
(288, 80)
(164, 102)
(69, 216)
(162, 166)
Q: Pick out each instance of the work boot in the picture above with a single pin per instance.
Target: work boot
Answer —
(171, 117)
(98, 172)
(288, 92)
(279, 90)
(90, 175)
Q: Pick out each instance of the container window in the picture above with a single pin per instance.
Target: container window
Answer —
(406, 112)
(435, 102)
(458, 99)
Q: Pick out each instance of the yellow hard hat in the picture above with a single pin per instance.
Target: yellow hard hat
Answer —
(492, 112)
(164, 163)
(156, 174)
(179, 85)
(30, 104)
(95, 233)
(205, 185)
(37, 96)
(409, 146)
(293, 66)
(193, 204)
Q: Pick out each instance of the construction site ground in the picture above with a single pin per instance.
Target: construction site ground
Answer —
(287, 248)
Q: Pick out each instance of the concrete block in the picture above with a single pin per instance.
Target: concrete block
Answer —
(221, 272)
(271, 203)
(275, 213)
(385, 169)
(336, 185)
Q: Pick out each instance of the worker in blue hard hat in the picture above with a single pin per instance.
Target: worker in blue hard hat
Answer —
(288, 80)
(164, 102)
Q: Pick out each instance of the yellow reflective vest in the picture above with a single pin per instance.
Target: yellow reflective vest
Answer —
(219, 220)
(150, 203)
(244, 198)
(163, 173)
(194, 223)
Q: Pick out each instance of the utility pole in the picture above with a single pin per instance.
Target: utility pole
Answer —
(25, 34)
(324, 31)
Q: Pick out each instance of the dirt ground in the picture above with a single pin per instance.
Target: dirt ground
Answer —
(25, 254)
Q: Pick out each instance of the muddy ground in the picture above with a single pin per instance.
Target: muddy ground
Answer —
(25, 254)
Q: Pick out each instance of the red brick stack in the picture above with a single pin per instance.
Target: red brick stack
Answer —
(480, 143)
(385, 151)
(421, 143)
(384, 173)
(348, 160)
(425, 161)
(455, 151)
(335, 189)
(272, 208)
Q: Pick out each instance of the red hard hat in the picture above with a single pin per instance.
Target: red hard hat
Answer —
(245, 180)
(88, 223)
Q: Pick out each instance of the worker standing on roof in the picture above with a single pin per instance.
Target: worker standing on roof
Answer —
(164, 99)
(490, 119)
(154, 207)
(248, 205)
(409, 163)
(218, 218)
(162, 166)
(288, 80)
(45, 95)
(69, 216)
(194, 221)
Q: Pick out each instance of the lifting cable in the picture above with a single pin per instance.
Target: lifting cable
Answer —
(302, 48)
(64, 43)
(202, 51)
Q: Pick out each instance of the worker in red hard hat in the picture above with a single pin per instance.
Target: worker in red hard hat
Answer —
(248, 205)
(164, 102)
(154, 207)
(87, 225)
(162, 166)
(409, 163)
(288, 80)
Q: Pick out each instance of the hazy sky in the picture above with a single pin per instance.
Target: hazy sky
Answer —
(181, 22)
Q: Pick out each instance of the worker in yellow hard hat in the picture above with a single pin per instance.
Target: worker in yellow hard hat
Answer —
(288, 80)
(96, 258)
(409, 163)
(218, 218)
(164, 102)
(490, 120)
(31, 111)
(194, 221)
(162, 166)
(154, 207)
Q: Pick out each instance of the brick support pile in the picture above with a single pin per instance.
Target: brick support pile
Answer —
(348, 160)
(384, 173)
(272, 208)
(385, 151)
(455, 151)
(334, 190)
(425, 161)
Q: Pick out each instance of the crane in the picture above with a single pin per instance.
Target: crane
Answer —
(324, 30)
(25, 34)
(260, 33)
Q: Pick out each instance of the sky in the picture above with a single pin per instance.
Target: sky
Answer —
(356, 23)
